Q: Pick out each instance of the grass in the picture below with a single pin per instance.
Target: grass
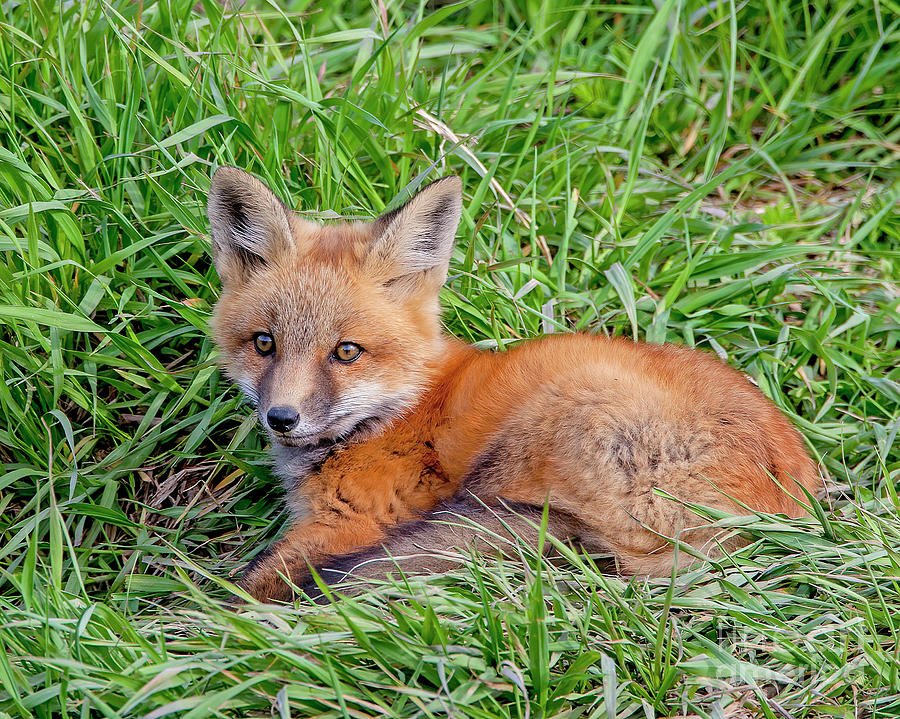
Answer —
(721, 175)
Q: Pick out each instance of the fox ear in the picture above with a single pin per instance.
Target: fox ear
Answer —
(411, 245)
(250, 225)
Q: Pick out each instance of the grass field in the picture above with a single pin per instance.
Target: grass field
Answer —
(722, 175)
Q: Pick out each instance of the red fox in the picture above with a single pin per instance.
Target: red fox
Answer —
(381, 424)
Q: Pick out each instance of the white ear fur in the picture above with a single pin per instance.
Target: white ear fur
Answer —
(412, 244)
(250, 225)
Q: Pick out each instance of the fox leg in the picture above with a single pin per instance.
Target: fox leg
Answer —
(358, 495)
(425, 545)
(307, 543)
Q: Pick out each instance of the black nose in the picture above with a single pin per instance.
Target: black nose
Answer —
(282, 419)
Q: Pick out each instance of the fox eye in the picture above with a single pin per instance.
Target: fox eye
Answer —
(347, 352)
(264, 343)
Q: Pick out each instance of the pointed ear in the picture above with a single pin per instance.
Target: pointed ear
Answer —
(250, 225)
(411, 246)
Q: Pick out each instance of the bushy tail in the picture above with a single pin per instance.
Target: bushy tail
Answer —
(442, 539)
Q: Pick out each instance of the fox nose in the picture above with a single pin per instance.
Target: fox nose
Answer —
(282, 419)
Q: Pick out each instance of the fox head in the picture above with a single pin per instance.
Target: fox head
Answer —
(329, 330)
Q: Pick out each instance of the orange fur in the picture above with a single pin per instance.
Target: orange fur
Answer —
(420, 423)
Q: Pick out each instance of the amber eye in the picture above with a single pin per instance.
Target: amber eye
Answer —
(347, 352)
(264, 343)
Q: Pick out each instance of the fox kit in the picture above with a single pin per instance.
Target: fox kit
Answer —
(383, 427)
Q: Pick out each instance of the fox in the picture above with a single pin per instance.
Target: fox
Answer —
(396, 442)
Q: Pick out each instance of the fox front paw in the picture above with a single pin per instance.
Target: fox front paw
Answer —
(269, 585)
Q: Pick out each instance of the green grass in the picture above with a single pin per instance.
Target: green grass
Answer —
(720, 175)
